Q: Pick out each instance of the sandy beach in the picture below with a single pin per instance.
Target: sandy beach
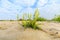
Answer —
(11, 30)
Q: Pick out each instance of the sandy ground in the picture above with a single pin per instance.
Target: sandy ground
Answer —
(11, 30)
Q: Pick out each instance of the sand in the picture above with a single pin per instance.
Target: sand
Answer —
(11, 30)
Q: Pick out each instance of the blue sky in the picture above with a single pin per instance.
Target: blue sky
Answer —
(10, 8)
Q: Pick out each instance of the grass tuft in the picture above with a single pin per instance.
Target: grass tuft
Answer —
(31, 23)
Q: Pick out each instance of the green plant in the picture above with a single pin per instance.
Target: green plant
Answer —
(41, 19)
(24, 22)
(56, 18)
(31, 23)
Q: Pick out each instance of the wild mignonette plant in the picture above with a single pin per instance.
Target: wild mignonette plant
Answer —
(31, 23)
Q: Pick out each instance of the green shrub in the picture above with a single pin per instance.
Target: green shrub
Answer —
(41, 19)
(57, 18)
(31, 23)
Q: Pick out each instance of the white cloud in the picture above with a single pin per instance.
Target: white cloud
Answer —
(9, 8)
(49, 11)
(42, 3)
(24, 2)
(46, 9)
(28, 10)
(28, 2)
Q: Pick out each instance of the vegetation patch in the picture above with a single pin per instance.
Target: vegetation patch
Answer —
(41, 19)
(31, 23)
(56, 18)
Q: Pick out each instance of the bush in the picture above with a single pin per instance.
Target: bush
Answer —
(57, 18)
(31, 23)
(41, 19)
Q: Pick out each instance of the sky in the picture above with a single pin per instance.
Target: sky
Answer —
(10, 8)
